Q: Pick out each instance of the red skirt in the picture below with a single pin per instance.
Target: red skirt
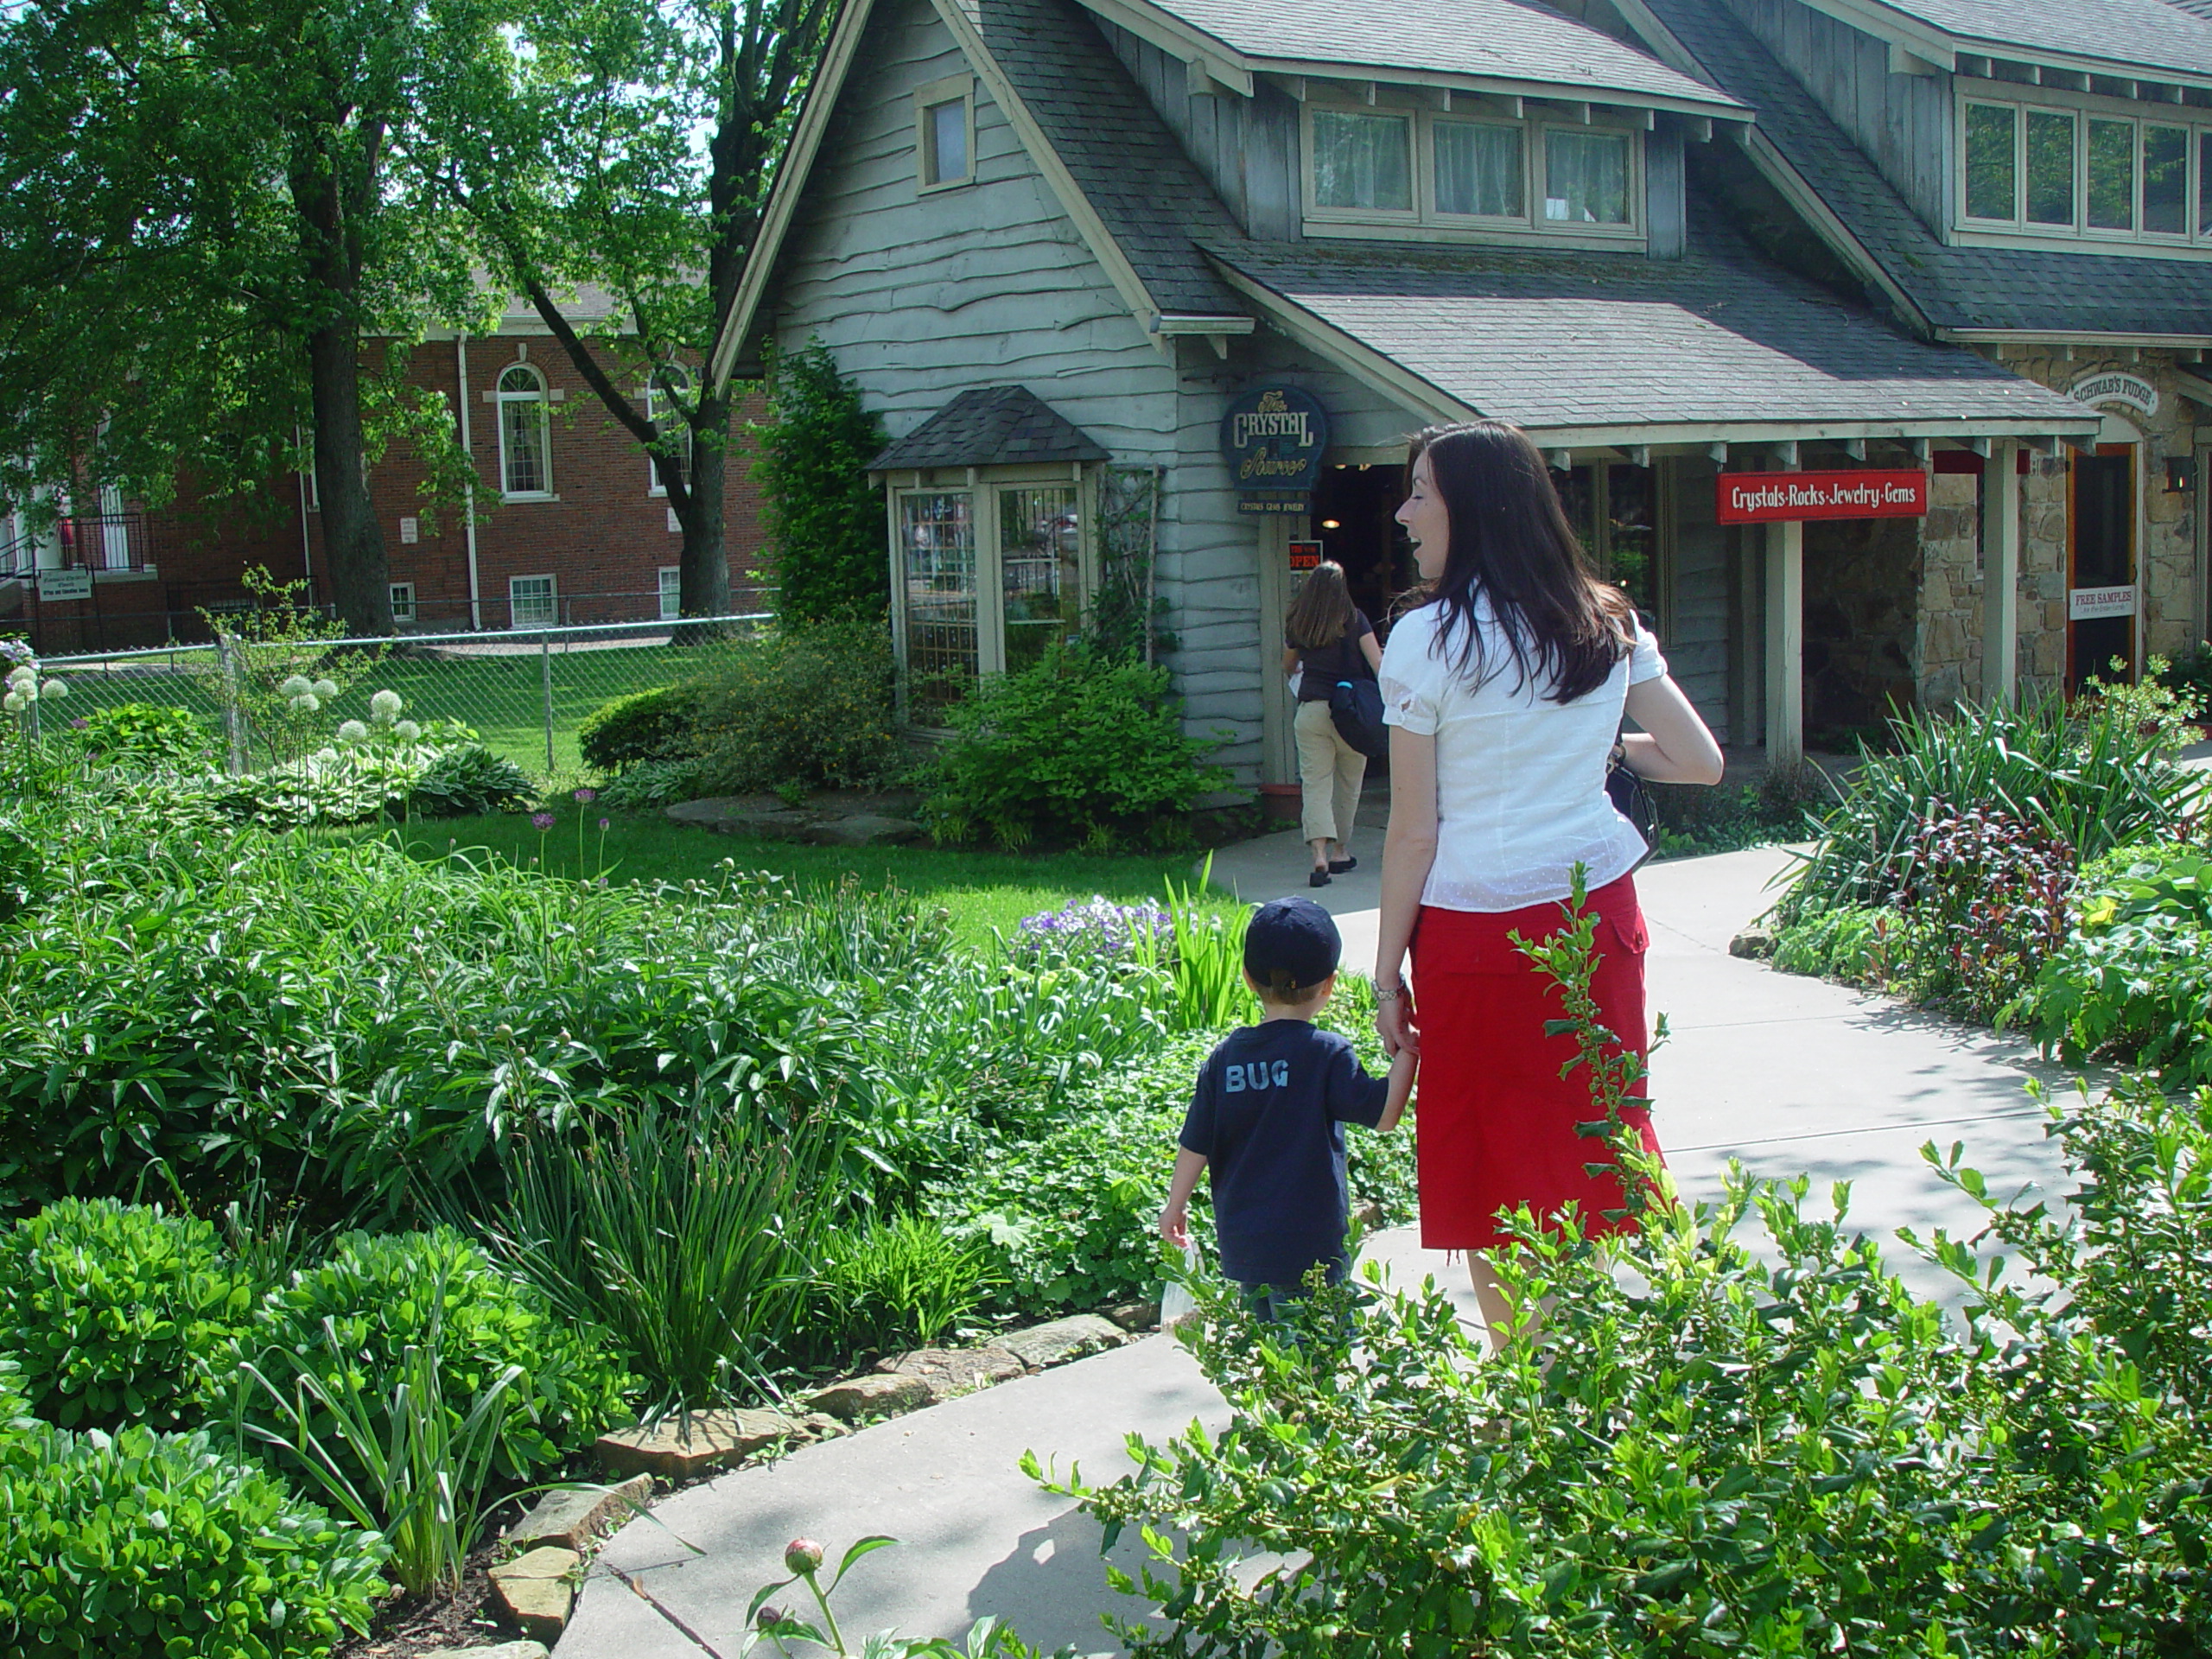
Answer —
(1495, 1126)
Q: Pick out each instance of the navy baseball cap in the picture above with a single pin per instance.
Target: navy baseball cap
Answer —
(1292, 945)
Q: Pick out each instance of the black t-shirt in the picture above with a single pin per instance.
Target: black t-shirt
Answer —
(1268, 1115)
(1326, 664)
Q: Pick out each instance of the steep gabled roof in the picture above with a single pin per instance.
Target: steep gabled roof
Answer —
(1969, 289)
(2106, 36)
(990, 426)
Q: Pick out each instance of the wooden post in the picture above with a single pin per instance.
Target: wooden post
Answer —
(545, 669)
(2000, 574)
(1785, 644)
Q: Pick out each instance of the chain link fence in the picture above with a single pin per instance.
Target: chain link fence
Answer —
(526, 693)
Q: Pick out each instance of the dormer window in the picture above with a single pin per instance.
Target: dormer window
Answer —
(1465, 175)
(2107, 172)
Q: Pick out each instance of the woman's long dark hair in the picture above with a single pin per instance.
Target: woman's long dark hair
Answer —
(1512, 545)
(1322, 612)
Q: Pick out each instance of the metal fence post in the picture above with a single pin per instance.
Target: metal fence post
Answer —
(227, 653)
(545, 662)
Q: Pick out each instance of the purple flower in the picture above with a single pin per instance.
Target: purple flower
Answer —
(1094, 926)
(541, 820)
(585, 797)
(602, 826)
(77, 723)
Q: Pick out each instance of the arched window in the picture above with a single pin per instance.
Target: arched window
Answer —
(525, 449)
(664, 398)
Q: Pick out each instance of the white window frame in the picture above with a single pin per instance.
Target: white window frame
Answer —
(671, 592)
(983, 486)
(501, 397)
(403, 610)
(2195, 240)
(655, 392)
(932, 95)
(1426, 222)
(552, 599)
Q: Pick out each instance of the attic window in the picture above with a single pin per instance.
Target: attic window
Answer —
(945, 132)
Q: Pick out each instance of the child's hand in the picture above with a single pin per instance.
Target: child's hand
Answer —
(1174, 1226)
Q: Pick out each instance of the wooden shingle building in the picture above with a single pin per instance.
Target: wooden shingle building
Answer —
(1237, 252)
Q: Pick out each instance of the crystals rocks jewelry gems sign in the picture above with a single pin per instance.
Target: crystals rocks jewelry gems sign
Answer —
(1273, 438)
(1777, 498)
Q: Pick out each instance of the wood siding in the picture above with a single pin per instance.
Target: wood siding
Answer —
(1246, 148)
(1902, 121)
(1696, 637)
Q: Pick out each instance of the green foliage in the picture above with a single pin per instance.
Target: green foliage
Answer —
(113, 1313)
(889, 1285)
(141, 1543)
(147, 734)
(2093, 784)
(1979, 903)
(469, 781)
(1852, 945)
(653, 725)
(335, 1340)
(824, 520)
(22, 871)
(1078, 748)
(2163, 707)
(799, 709)
(283, 669)
(2189, 672)
(1208, 964)
(651, 785)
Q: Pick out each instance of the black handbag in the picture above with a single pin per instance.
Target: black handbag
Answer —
(1356, 706)
(1633, 802)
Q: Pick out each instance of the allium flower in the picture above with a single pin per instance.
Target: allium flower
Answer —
(386, 707)
(353, 731)
(585, 796)
(541, 820)
(297, 686)
(326, 754)
(326, 689)
(307, 702)
(802, 1555)
(25, 675)
(79, 723)
(406, 731)
(14, 702)
(54, 689)
(602, 826)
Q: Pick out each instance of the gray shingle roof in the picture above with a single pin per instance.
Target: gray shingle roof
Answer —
(990, 426)
(1953, 287)
(1607, 339)
(2147, 34)
(1127, 165)
(1503, 40)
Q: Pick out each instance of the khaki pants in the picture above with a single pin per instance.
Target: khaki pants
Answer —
(1330, 771)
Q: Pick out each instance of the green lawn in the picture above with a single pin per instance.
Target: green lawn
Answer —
(983, 891)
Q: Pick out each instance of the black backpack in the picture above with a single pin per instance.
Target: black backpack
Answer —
(1356, 706)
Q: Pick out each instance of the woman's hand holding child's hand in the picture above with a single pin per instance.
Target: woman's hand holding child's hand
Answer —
(1394, 1023)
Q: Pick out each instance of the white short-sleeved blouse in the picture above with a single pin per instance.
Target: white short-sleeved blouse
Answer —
(1520, 781)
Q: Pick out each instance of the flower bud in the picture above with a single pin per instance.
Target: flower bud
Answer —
(770, 1616)
(802, 1555)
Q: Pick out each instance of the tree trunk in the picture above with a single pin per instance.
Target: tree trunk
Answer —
(705, 567)
(353, 540)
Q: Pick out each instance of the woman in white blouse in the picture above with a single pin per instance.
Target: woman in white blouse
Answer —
(1504, 690)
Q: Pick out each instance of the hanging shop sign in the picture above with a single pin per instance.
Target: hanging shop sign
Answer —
(73, 584)
(1305, 556)
(2116, 386)
(1273, 439)
(2088, 604)
(1778, 498)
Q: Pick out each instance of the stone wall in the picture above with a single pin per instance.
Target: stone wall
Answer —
(1953, 595)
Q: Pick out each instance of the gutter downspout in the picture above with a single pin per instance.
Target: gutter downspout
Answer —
(469, 451)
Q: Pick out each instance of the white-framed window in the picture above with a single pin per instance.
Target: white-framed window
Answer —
(987, 577)
(525, 435)
(532, 602)
(945, 133)
(664, 389)
(1376, 170)
(2083, 170)
(403, 601)
(671, 592)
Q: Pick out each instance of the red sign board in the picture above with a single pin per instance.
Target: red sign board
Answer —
(1305, 556)
(1775, 497)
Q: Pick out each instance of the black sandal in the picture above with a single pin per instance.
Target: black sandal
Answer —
(1338, 865)
(1318, 879)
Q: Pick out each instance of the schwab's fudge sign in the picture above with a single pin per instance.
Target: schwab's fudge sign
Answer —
(1273, 439)
(1775, 497)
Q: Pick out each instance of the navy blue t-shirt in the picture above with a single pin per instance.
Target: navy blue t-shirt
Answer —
(1268, 1115)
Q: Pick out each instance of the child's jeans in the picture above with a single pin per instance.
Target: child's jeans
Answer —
(1273, 1306)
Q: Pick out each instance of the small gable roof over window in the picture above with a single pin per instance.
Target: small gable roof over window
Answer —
(991, 426)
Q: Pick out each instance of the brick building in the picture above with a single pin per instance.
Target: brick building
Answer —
(568, 525)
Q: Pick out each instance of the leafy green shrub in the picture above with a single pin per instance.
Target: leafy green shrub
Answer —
(376, 1296)
(2133, 981)
(653, 725)
(797, 709)
(653, 783)
(145, 733)
(1850, 945)
(2160, 706)
(1981, 901)
(147, 1543)
(891, 1285)
(2189, 670)
(2094, 784)
(1079, 747)
(22, 871)
(469, 780)
(350, 785)
(113, 1312)
(824, 520)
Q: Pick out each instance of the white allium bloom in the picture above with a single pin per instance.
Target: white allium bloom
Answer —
(386, 707)
(326, 689)
(297, 686)
(14, 702)
(54, 689)
(17, 677)
(407, 731)
(353, 731)
(307, 702)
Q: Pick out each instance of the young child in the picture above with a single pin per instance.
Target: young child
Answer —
(1268, 1114)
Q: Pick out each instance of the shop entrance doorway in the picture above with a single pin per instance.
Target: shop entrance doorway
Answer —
(2102, 602)
(1353, 509)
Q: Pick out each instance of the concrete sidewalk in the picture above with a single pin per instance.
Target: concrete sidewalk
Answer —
(1787, 1074)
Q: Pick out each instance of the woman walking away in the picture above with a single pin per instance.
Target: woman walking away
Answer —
(1504, 690)
(1326, 638)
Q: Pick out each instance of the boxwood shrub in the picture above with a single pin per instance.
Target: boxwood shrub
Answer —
(141, 1544)
(112, 1311)
(653, 725)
